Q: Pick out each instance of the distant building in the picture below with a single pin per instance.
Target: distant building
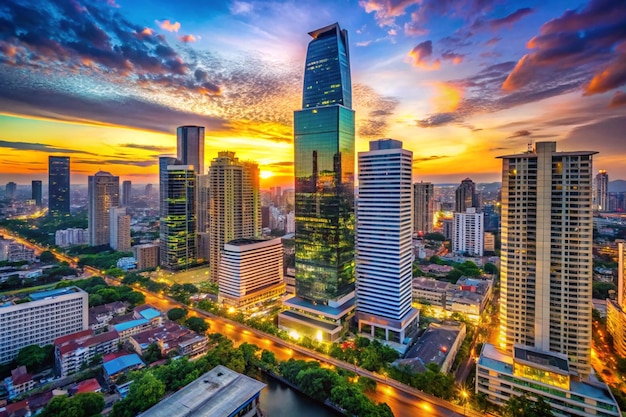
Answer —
(219, 392)
(120, 229)
(234, 204)
(190, 147)
(490, 242)
(104, 193)
(36, 192)
(17, 252)
(127, 190)
(601, 191)
(100, 316)
(384, 255)
(171, 337)
(126, 263)
(466, 196)
(58, 185)
(19, 382)
(49, 315)
(447, 228)
(202, 218)
(468, 233)
(69, 237)
(423, 207)
(10, 191)
(147, 255)
(251, 272)
(73, 351)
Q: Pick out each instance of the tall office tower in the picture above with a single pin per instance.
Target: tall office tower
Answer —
(10, 190)
(601, 191)
(324, 195)
(423, 207)
(120, 229)
(127, 189)
(36, 192)
(103, 194)
(190, 147)
(466, 196)
(546, 275)
(384, 251)
(59, 185)
(148, 190)
(616, 308)
(177, 188)
(468, 233)
(234, 204)
(202, 217)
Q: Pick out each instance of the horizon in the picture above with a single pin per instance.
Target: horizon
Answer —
(458, 82)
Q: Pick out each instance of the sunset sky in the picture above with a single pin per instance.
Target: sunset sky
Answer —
(458, 81)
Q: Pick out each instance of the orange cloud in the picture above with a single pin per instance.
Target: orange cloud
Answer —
(447, 97)
(146, 31)
(613, 76)
(167, 25)
(420, 55)
(520, 76)
(188, 38)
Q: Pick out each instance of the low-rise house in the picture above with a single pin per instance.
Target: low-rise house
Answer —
(88, 385)
(141, 319)
(120, 365)
(100, 316)
(170, 337)
(76, 350)
(19, 382)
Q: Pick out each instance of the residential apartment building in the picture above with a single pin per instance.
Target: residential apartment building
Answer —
(423, 207)
(104, 194)
(73, 351)
(468, 234)
(147, 255)
(616, 308)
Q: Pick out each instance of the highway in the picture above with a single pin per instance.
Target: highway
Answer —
(403, 400)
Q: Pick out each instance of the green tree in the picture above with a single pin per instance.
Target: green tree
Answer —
(176, 314)
(523, 406)
(47, 257)
(435, 236)
(90, 403)
(601, 289)
(490, 268)
(197, 324)
(35, 357)
(152, 353)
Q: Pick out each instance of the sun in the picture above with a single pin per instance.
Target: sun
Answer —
(266, 174)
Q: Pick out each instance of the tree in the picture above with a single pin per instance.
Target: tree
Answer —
(197, 324)
(523, 406)
(152, 353)
(90, 403)
(47, 257)
(435, 236)
(33, 357)
(177, 314)
(490, 268)
(601, 289)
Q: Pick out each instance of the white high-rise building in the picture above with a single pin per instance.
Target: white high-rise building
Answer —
(384, 255)
(120, 229)
(49, 315)
(601, 191)
(251, 272)
(546, 276)
(468, 233)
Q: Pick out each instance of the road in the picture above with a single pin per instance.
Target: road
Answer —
(403, 400)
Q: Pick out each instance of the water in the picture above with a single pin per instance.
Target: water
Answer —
(280, 400)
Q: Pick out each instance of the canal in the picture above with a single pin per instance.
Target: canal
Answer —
(280, 400)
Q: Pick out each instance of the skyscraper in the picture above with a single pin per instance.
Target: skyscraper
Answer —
(127, 189)
(10, 190)
(468, 233)
(36, 191)
(103, 194)
(423, 207)
(546, 275)
(202, 217)
(466, 196)
(58, 185)
(234, 204)
(177, 210)
(601, 191)
(119, 229)
(190, 147)
(384, 251)
(324, 194)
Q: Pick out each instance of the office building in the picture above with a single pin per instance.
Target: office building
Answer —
(468, 234)
(219, 392)
(120, 229)
(127, 190)
(384, 251)
(59, 185)
(10, 191)
(104, 193)
(251, 273)
(147, 255)
(616, 308)
(202, 217)
(36, 192)
(190, 147)
(423, 207)
(601, 191)
(49, 315)
(466, 196)
(546, 275)
(324, 194)
(234, 204)
(177, 185)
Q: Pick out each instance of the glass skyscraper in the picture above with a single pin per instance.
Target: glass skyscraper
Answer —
(324, 195)
(59, 185)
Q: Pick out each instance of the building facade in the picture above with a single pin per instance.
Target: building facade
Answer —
(177, 214)
(468, 234)
(251, 272)
(73, 351)
(423, 207)
(190, 147)
(384, 251)
(616, 308)
(59, 185)
(234, 204)
(50, 314)
(104, 194)
(120, 229)
(36, 192)
(601, 191)
(466, 196)
(72, 236)
(324, 194)
(127, 191)
(147, 255)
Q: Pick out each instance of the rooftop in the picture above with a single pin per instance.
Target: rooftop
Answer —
(40, 295)
(544, 359)
(122, 363)
(432, 347)
(219, 392)
(129, 324)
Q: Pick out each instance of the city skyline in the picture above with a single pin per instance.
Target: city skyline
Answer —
(458, 82)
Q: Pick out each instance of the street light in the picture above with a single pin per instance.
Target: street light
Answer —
(465, 394)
